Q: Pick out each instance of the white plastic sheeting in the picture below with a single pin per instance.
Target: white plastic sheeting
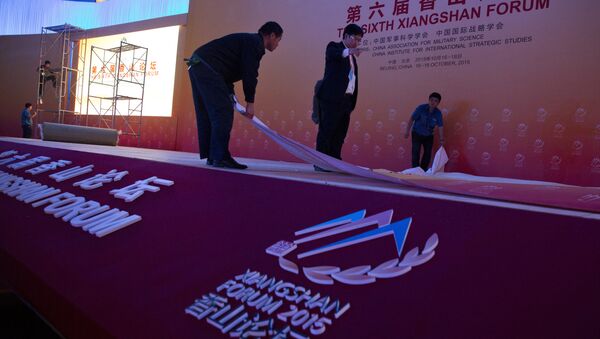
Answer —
(439, 162)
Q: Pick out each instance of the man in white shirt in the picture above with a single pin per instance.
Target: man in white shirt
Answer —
(339, 91)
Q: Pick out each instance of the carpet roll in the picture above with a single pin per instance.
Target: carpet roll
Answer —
(79, 134)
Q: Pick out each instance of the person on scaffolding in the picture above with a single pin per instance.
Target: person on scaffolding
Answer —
(46, 74)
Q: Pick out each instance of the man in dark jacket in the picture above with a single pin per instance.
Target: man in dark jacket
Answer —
(214, 67)
(338, 92)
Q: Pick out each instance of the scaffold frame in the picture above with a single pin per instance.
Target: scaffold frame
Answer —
(72, 42)
(116, 83)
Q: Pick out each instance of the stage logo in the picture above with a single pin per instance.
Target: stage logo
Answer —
(522, 130)
(355, 149)
(474, 115)
(377, 151)
(542, 114)
(506, 114)
(519, 160)
(503, 144)
(375, 226)
(392, 114)
(366, 138)
(555, 163)
(389, 140)
(488, 128)
(401, 152)
(580, 115)
(538, 146)
(559, 130)
(595, 165)
(471, 142)
(454, 156)
(458, 128)
(379, 127)
(485, 158)
(577, 148)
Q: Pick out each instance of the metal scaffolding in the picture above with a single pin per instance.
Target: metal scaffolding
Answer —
(117, 78)
(69, 77)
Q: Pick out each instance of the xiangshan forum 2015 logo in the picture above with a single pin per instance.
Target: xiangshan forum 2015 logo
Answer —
(361, 274)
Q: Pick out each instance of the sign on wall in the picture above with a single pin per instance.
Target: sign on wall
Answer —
(159, 67)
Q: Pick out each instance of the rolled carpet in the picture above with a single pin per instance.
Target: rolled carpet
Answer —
(79, 134)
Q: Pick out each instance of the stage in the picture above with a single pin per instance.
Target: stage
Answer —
(302, 172)
(484, 268)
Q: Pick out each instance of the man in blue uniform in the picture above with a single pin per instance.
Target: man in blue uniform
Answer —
(26, 121)
(422, 123)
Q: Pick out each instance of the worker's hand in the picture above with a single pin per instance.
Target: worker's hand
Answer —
(249, 110)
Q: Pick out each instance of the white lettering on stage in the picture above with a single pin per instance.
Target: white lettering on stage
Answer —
(134, 191)
(71, 173)
(16, 157)
(48, 167)
(232, 308)
(99, 179)
(8, 153)
(28, 162)
(88, 215)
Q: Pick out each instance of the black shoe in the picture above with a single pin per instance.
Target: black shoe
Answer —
(231, 159)
(228, 163)
(319, 169)
(209, 162)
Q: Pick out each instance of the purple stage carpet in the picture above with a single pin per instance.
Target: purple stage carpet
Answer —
(196, 264)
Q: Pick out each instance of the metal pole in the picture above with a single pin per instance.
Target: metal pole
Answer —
(39, 82)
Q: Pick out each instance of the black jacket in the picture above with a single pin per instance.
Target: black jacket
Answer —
(335, 80)
(236, 57)
(316, 111)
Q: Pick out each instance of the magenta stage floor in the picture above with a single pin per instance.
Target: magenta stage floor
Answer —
(201, 256)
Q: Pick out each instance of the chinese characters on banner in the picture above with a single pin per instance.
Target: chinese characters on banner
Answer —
(127, 72)
(404, 34)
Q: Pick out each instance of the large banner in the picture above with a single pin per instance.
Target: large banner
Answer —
(517, 78)
(145, 68)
